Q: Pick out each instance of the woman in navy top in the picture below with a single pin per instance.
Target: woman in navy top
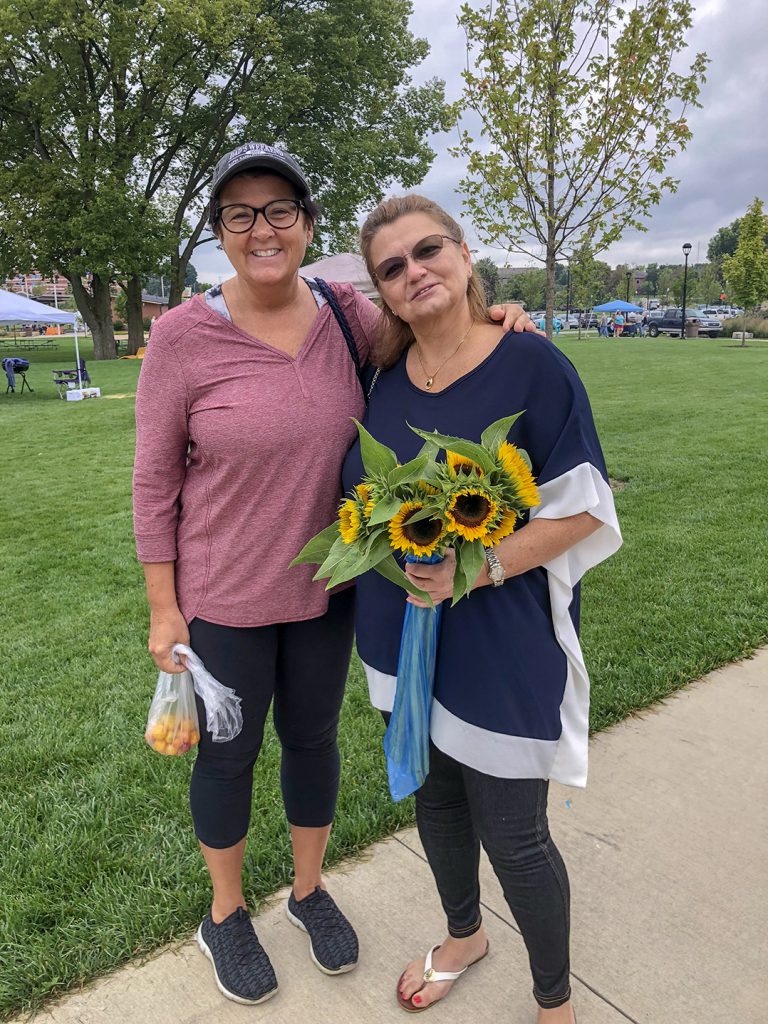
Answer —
(511, 699)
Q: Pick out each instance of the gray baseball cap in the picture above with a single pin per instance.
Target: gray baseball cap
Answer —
(258, 154)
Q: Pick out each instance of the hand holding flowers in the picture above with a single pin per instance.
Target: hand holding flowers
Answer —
(434, 578)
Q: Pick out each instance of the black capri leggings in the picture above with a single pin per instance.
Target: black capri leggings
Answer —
(304, 666)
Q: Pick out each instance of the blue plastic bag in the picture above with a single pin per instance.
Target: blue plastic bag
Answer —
(406, 741)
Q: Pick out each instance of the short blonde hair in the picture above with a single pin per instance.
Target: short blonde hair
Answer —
(397, 335)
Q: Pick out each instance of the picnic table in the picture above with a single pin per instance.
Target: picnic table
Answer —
(29, 345)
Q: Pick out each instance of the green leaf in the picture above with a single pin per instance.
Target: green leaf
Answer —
(373, 536)
(497, 432)
(377, 458)
(384, 510)
(316, 550)
(470, 557)
(459, 581)
(430, 511)
(390, 570)
(408, 473)
(348, 569)
(339, 550)
(468, 449)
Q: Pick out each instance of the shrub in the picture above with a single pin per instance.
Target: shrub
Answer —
(118, 325)
(756, 325)
(147, 322)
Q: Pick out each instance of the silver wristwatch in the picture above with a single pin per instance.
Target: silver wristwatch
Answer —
(496, 572)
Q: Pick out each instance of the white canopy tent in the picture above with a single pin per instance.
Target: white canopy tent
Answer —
(344, 268)
(17, 309)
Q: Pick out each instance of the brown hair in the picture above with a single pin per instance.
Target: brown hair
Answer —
(311, 209)
(397, 334)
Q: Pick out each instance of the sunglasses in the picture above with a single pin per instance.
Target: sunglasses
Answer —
(424, 251)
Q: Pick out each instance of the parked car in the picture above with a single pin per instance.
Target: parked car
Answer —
(571, 322)
(672, 323)
(589, 320)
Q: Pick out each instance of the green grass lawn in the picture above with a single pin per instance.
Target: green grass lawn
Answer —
(99, 860)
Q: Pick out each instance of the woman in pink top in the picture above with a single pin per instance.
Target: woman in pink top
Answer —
(244, 415)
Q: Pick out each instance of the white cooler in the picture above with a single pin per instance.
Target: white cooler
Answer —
(78, 394)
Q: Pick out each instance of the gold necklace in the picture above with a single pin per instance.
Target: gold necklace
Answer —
(431, 377)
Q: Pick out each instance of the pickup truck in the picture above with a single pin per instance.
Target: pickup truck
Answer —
(672, 323)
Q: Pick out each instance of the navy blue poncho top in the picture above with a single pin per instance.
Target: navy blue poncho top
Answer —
(511, 691)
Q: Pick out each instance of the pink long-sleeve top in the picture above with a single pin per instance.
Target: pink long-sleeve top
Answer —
(239, 449)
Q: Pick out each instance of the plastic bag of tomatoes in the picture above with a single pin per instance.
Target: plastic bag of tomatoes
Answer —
(173, 726)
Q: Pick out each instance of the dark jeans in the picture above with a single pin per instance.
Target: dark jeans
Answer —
(458, 808)
(303, 665)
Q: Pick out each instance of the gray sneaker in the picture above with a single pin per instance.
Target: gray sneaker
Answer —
(332, 940)
(241, 967)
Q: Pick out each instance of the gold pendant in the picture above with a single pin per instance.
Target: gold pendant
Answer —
(429, 382)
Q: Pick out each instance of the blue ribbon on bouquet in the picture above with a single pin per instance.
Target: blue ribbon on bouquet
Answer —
(406, 741)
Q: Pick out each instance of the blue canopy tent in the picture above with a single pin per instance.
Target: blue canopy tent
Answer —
(17, 309)
(617, 306)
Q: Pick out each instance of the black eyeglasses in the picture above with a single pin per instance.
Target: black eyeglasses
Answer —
(424, 251)
(280, 213)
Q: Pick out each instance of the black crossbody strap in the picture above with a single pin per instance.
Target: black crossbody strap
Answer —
(330, 297)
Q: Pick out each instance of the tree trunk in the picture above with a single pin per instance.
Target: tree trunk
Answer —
(180, 260)
(95, 304)
(177, 276)
(550, 289)
(134, 314)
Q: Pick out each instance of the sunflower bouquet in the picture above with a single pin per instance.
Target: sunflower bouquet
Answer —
(469, 502)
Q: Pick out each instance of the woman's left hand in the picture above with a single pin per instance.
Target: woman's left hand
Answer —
(514, 318)
(436, 580)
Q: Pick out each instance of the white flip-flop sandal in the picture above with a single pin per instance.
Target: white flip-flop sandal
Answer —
(430, 974)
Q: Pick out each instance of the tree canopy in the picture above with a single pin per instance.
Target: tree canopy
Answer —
(747, 270)
(725, 241)
(113, 115)
(579, 110)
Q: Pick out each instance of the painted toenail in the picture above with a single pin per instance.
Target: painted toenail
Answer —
(417, 1000)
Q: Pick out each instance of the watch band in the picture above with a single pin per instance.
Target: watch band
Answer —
(496, 573)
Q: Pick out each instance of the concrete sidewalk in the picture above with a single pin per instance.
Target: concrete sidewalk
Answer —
(666, 851)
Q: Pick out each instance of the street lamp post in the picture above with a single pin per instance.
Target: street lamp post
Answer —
(628, 276)
(686, 252)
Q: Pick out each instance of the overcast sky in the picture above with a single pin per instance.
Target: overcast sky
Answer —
(723, 169)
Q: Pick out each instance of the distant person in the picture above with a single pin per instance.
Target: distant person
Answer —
(602, 327)
(618, 324)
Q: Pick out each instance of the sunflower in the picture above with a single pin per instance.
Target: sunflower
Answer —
(420, 538)
(422, 485)
(349, 521)
(365, 495)
(459, 464)
(469, 512)
(503, 528)
(517, 470)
